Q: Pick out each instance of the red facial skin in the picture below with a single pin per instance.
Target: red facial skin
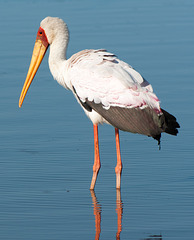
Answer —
(41, 35)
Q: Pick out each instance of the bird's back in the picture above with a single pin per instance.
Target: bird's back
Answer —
(100, 76)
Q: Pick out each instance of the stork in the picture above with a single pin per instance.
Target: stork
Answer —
(108, 89)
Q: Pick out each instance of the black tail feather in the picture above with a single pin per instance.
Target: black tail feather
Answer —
(170, 125)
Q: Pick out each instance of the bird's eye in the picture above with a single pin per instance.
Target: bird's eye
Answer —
(40, 33)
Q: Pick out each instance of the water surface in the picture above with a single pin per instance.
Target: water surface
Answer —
(46, 147)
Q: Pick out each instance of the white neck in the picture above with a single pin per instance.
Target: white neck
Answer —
(57, 57)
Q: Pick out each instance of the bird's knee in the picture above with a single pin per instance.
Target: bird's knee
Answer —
(118, 169)
(96, 167)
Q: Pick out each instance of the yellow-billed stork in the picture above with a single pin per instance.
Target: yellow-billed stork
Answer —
(108, 89)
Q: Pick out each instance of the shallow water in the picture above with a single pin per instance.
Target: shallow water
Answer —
(46, 147)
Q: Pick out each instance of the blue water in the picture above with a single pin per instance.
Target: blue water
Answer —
(46, 147)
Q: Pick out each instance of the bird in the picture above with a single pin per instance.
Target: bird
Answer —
(108, 89)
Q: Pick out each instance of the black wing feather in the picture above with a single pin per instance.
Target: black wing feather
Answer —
(136, 120)
(143, 121)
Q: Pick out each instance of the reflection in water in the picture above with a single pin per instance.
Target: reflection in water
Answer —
(97, 214)
(119, 211)
(154, 237)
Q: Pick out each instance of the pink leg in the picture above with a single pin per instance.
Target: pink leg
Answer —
(96, 166)
(118, 168)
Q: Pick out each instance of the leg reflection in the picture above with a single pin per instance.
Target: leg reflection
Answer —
(97, 214)
(119, 211)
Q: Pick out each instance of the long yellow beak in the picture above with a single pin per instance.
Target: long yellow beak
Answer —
(39, 51)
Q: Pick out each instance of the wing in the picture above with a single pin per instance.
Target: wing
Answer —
(143, 121)
(99, 76)
(113, 90)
